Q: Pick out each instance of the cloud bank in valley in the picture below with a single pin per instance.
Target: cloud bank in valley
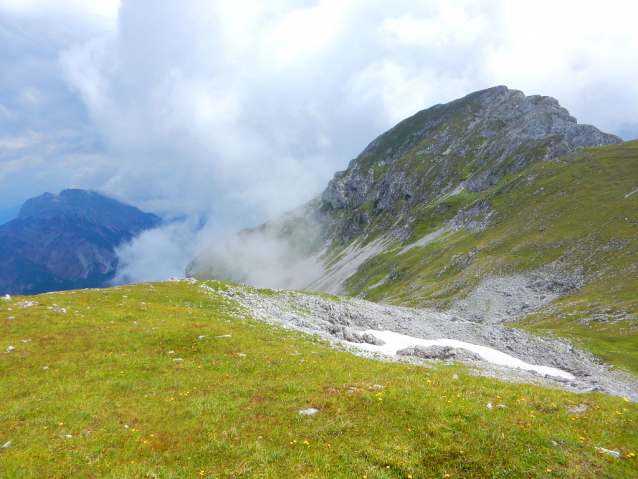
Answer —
(232, 111)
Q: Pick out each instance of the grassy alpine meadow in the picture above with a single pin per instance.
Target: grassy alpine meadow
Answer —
(172, 380)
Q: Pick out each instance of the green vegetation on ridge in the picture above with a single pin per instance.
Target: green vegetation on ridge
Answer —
(575, 214)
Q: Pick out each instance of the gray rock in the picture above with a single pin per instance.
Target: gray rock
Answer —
(616, 454)
(439, 352)
(431, 352)
(498, 298)
(354, 336)
(371, 339)
(310, 314)
(577, 409)
(309, 411)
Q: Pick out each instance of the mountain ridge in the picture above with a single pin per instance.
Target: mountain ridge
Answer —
(533, 231)
(66, 241)
(490, 124)
(438, 152)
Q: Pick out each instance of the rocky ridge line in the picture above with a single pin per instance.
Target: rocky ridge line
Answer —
(502, 129)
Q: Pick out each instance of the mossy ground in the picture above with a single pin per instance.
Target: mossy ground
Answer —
(218, 414)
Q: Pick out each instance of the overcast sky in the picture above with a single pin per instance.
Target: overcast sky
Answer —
(235, 110)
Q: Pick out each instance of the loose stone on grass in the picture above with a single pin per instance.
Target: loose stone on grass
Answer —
(616, 454)
(309, 411)
(577, 409)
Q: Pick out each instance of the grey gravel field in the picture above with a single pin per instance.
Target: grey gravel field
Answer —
(344, 322)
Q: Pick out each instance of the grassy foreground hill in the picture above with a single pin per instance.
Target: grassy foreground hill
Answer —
(174, 379)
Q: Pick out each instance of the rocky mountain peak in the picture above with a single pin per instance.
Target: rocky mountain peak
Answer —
(447, 198)
(87, 206)
(66, 241)
(475, 140)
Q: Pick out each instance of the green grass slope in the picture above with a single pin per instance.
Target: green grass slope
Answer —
(221, 407)
(575, 214)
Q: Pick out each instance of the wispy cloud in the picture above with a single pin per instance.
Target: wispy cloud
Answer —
(237, 110)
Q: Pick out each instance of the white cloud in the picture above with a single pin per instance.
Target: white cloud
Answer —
(303, 34)
(104, 9)
(238, 109)
(84, 66)
(580, 54)
(157, 255)
(453, 25)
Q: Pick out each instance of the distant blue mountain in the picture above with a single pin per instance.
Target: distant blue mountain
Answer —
(66, 241)
(7, 214)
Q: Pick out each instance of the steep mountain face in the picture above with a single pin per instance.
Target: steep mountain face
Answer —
(66, 241)
(474, 141)
(495, 207)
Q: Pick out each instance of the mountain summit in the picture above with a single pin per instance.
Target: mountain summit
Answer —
(427, 171)
(496, 207)
(66, 241)
(475, 140)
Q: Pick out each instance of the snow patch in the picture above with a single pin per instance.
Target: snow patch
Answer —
(395, 341)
